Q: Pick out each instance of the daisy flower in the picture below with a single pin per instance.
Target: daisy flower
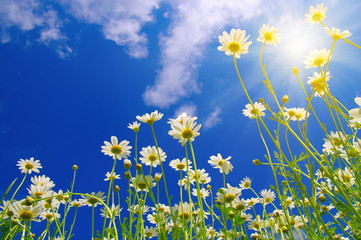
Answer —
(29, 165)
(179, 165)
(234, 43)
(183, 211)
(346, 176)
(181, 118)
(316, 14)
(49, 215)
(333, 144)
(114, 148)
(254, 112)
(187, 130)
(150, 118)
(141, 182)
(162, 208)
(42, 180)
(37, 191)
(77, 203)
(113, 177)
(289, 202)
(93, 200)
(245, 183)
(316, 58)
(269, 35)
(268, 196)
(296, 113)
(134, 126)
(356, 112)
(150, 232)
(222, 164)
(201, 175)
(229, 194)
(319, 83)
(203, 192)
(336, 33)
(150, 156)
(184, 182)
(114, 211)
(139, 209)
(26, 213)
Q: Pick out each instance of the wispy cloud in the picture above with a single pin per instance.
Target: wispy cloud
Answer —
(121, 20)
(213, 119)
(28, 15)
(190, 109)
(194, 25)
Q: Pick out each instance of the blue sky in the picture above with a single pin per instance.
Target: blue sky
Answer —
(73, 73)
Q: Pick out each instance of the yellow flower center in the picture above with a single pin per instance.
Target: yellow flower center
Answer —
(49, 216)
(268, 36)
(247, 185)
(336, 142)
(152, 158)
(29, 166)
(38, 194)
(150, 121)
(220, 162)
(268, 200)
(254, 111)
(298, 116)
(142, 185)
(184, 215)
(318, 61)
(9, 213)
(187, 133)
(180, 166)
(234, 47)
(26, 215)
(316, 17)
(240, 207)
(229, 198)
(318, 84)
(116, 149)
(291, 113)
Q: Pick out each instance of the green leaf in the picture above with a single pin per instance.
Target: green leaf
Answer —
(7, 190)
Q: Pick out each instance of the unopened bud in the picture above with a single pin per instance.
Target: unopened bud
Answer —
(218, 202)
(116, 188)
(27, 201)
(256, 162)
(127, 164)
(285, 99)
(231, 214)
(322, 198)
(209, 187)
(295, 70)
(139, 167)
(75, 167)
(127, 174)
(157, 177)
(261, 100)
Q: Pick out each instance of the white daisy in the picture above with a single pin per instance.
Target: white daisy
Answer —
(134, 126)
(26, 213)
(319, 83)
(316, 58)
(356, 112)
(187, 130)
(42, 180)
(114, 211)
(222, 164)
(49, 215)
(336, 33)
(203, 192)
(316, 14)
(93, 200)
(245, 183)
(150, 156)
(150, 232)
(179, 165)
(333, 144)
(268, 196)
(296, 113)
(110, 176)
(141, 182)
(121, 150)
(29, 165)
(229, 195)
(150, 118)
(234, 43)
(254, 112)
(269, 35)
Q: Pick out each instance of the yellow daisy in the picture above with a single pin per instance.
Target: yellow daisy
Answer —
(234, 43)
(316, 14)
(269, 35)
(319, 83)
(316, 58)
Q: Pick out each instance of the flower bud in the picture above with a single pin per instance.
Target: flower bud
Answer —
(157, 177)
(295, 70)
(285, 99)
(231, 214)
(218, 202)
(261, 100)
(127, 164)
(75, 167)
(256, 162)
(322, 198)
(139, 167)
(27, 201)
(209, 187)
(127, 174)
(116, 188)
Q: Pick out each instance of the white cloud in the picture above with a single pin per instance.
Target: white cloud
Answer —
(213, 119)
(121, 20)
(28, 15)
(194, 25)
(190, 109)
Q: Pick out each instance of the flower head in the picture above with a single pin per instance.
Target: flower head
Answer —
(254, 112)
(319, 83)
(336, 33)
(316, 14)
(356, 112)
(150, 156)
(268, 196)
(26, 213)
(93, 199)
(150, 232)
(179, 165)
(42, 180)
(109, 176)
(269, 35)
(245, 183)
(141, 182)
(121, 150)
(316, 58)
(229, 195)
(296, 113)
(29, 165)
(334, 143)
(134, 126)
(185, 130)
(150, 118)
(222, 164)
(234, 43)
